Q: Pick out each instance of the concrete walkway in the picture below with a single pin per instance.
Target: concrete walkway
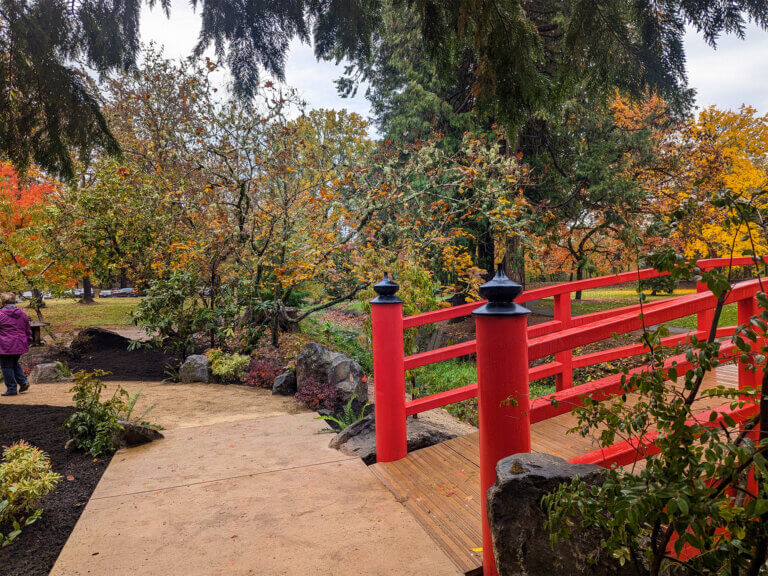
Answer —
(257, 496)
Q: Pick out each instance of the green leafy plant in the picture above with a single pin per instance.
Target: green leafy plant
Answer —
(63, 371)
(174, 311)
(705, 489)
(172, 373)
(348, 416)
(130, 406)
(94, 422)
(228, 367)
(25, 477)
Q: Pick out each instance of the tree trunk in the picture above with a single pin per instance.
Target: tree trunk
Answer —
(485, 255)
(276, 328)
(36, 303)
(37, 299)
(123, 278)
(579, 276)
(214, 289)
(87, 290)
(514, 260)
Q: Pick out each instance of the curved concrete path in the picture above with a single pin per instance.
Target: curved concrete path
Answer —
(253, 497)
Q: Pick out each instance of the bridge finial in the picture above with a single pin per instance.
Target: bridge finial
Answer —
(501, 293)
(386, 290)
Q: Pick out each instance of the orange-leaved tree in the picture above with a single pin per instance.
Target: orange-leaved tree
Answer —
(31, 258)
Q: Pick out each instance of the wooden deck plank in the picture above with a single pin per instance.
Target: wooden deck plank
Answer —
(440, 485)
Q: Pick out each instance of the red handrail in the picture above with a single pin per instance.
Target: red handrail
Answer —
(560, 336)
(574, 286)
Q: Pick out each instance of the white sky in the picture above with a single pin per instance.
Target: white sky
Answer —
(735, 73)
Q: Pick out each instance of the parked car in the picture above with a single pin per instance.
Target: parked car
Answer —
(28, 295)
(125, 292)
(106, 293)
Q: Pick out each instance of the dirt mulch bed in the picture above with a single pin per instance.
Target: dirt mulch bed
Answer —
(96, 348)
(35, 551)
(134, 365)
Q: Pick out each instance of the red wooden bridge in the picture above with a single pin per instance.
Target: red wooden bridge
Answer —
(443, 485)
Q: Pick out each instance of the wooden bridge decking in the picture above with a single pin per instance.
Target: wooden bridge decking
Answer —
(440, 485)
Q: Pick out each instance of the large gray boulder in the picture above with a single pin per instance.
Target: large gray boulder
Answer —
(324, 365)
(520, 541)
(285, 384)
(46, 372)
(359, 439)
(195, 369)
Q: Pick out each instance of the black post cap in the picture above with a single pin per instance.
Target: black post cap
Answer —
(386, 290)
(501, 293)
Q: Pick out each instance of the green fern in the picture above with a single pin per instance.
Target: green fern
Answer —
(348, 417)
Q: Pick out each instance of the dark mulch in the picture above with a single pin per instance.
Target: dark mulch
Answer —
(35, 551)
(95, 348)
(138, 365)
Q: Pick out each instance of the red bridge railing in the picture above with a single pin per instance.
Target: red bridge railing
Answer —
(505, 345)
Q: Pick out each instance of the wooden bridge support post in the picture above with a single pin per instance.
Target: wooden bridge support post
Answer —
(388, 372)
(502, 381)
(562, 309)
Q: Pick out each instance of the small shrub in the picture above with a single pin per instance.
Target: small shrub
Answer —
(172, 373)
(93, 423)
(227, 367)
(348, 416)
(63, 372)
(318, 395)
(130, 406)
(262, 373)
(25, 477)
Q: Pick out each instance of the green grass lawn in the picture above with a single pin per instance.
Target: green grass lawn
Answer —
(451, 374)
(68, 313)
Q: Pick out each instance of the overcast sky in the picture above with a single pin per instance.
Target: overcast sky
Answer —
(735, 73)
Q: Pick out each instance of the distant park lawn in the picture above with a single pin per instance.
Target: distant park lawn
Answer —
(607, 299)
(67, 313)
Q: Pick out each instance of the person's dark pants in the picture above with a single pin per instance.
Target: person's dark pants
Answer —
(12, 373)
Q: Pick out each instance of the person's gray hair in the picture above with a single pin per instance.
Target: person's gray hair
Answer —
(7, 298)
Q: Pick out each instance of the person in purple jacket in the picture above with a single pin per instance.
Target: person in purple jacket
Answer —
(15, 337)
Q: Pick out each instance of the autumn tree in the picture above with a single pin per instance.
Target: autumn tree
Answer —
(120, 222)
(587, 181)
(725, 153)
(452, 212)
(30, 256)
(246, 202)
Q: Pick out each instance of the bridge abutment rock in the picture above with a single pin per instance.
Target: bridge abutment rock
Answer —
(521, 541)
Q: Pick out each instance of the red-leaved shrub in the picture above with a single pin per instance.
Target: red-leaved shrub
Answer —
(262, 373)
(318, 395)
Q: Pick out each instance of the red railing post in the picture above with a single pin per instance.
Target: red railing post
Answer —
(388, 372)
(502, 381)
(704, 318)
(562, 309)
(747, 308)
(748, 378)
